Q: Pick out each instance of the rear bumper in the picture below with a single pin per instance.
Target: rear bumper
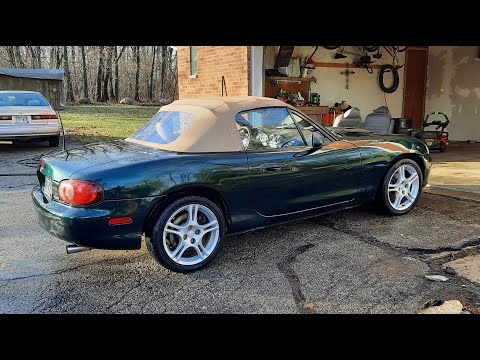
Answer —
(89, 226)
(8, 132)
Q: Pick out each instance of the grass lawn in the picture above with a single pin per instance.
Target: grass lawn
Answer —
(95, 123)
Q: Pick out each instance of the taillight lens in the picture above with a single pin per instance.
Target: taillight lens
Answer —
(43, 117)
(79, 192)
(5, 118)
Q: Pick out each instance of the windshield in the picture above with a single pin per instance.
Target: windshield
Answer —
(164, 128)
(22, 99)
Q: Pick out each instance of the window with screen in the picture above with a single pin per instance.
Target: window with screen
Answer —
(193, 61)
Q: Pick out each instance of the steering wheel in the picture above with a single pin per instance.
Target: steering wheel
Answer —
(288, 143)
(245, 136)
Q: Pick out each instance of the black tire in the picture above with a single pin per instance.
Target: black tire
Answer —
(442, 147)
(400, 48)
(54, 141)
(396, 79)
(383, 199)
(154, 242)
(371, 48)
(330, 47)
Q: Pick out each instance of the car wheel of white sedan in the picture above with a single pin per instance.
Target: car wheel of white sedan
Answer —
(401, 187)
(187, 234)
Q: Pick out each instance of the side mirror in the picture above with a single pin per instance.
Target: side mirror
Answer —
(316, 141)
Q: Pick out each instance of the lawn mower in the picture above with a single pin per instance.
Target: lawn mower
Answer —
(433, 132)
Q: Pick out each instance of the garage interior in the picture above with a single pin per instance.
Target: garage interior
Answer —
(431, 79)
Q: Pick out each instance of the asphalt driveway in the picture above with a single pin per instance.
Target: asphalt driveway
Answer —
(356, 261)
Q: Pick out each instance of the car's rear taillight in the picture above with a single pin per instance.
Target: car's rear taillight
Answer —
(5, 117)
(43, 117)
(80, 192)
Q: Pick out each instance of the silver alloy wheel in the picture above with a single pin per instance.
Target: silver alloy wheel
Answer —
(191, 234)
(403, 187)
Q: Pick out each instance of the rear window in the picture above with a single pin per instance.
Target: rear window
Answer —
(164, 128)
(22, 99)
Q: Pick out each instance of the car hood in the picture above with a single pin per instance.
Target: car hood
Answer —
(64, 164)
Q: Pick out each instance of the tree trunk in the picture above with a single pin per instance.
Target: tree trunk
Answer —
(108, 73)
(137, 74)
(33, 56)
(18, 55)
(117, 79)
(85, 79)
(11, 56)
(100, 72)
(110, 80)
(39, 56)
(52, 56)
(68, 79)
(163, 74)
(152, 71)
(73, 70)
(59, 58)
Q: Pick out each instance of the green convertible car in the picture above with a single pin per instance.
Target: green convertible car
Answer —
(204, 168)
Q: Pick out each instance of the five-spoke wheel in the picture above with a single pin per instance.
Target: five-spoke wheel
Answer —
(187, 234)
(401, 187)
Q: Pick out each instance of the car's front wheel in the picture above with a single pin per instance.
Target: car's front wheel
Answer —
(401, 187)
(187, 235)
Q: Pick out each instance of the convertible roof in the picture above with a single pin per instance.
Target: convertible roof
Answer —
(213, 127)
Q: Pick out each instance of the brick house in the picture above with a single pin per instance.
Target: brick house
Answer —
(200, 70)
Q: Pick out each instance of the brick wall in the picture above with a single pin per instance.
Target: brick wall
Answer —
(233, 62)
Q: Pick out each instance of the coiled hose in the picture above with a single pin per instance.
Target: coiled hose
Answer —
(396, 79)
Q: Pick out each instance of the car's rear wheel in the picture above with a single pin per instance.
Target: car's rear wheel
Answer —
(401, 187)
(187, 235)
(53, 141)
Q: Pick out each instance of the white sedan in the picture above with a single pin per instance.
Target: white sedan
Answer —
(28, 115)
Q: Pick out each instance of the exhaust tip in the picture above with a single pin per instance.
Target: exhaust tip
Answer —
(74, 248)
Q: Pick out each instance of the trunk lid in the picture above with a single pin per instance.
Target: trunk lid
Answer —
(28, 111)
(64, 164)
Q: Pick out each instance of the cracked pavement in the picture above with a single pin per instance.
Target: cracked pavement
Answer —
(355, 261)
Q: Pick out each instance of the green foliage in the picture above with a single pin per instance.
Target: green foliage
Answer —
(88, 124)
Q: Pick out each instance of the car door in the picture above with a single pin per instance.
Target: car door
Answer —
(286, 174)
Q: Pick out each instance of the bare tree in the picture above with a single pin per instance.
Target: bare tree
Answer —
(84, 68)
(11, 56)
(70, 96)
(19, 57)
(101, 61)
(52, 56)
(59, 57)
(150, 88)
(33, 56)
(117, 79)
(108, 73)
(39, 56)
(73, 69)
(137, 74)
(163, 73)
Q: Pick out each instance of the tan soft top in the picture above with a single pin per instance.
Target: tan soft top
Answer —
(212, 127)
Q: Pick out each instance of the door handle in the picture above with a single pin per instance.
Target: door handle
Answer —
(271, 168)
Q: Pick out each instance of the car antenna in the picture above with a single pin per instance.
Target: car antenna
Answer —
(63, 131)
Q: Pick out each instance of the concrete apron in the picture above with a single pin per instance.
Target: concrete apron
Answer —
(456, 172)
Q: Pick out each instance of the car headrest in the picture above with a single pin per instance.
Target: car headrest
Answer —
(352, 113)
(33, 102)
(382, 110)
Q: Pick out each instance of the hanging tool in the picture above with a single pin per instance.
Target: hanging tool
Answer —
(347, 74)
